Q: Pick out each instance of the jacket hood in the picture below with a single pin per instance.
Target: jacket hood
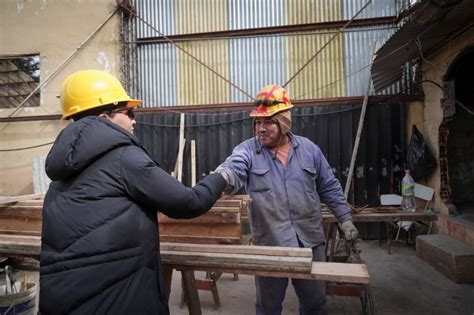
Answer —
(83, 142)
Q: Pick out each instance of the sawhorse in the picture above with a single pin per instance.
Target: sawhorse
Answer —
(352, 276)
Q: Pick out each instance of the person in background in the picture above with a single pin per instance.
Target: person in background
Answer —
(287, 178)
(100, 251)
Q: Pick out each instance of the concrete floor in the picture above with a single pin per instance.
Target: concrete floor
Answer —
(400, 284)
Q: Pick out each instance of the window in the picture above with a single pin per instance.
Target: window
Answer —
(19, 76)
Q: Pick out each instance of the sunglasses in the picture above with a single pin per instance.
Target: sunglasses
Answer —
(126, 111)
(267, 102)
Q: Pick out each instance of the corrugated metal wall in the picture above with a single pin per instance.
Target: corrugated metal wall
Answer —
(173, 17)
(321, 78)
(358, 50)
(168, 77)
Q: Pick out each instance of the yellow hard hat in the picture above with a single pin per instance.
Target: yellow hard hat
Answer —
(87, 89)
(271, 100)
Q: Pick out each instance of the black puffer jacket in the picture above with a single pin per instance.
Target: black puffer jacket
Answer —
(100, 244)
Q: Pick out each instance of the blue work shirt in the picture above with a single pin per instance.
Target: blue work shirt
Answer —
(286, 202)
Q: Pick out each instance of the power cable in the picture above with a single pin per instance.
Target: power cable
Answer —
(27, 148)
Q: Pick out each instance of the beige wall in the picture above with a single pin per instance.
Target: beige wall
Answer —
(54, 29)
(434, 68)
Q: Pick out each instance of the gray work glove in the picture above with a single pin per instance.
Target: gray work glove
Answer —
(350, 231)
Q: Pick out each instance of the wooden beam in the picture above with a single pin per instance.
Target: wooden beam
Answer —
(10, 199)
(238, 249)
(223, 240)
(20, 245)
(356, 274)
(238, 261)
(208, 218)
(193, 163)
(182, 142)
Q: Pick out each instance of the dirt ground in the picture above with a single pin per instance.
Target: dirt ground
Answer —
(400, 284)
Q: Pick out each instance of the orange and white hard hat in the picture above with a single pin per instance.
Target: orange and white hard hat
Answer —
(271, 100)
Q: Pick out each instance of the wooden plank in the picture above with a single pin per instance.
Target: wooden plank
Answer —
(167, 279)
(200, 239)
(340, 272)
(238, 261)
(11, 199)
(191, 293)
(21, 212)
(357, 273)
(224, 209)
(193, 163)
(182, 143)
(191, 229)
(20, 232)
(20, 245)
(233, 203)
(37, 203)
(238, 249)
(20, 225)
(208, 218)
(205, 284)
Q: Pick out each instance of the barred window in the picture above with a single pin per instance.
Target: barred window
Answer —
(19, 76)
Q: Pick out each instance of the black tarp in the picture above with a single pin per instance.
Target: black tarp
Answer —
(379, 164)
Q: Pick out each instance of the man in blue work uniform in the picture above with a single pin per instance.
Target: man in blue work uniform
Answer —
(287, 178)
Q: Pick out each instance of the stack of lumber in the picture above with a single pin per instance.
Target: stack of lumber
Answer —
(241, 201)
(21, 215)
(20, 245)
(237, 257)
(220, 225)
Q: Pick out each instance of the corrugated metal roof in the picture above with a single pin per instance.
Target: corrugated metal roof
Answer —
(427, 29)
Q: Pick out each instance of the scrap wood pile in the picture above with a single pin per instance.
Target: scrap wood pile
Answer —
(221, 225)
(21, 215)
(20, 225)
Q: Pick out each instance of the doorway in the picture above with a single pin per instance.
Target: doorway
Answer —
(460, 136)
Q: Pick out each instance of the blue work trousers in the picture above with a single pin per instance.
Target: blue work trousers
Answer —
(311, 293)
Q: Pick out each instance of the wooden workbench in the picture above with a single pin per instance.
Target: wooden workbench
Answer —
(386, 217)
(390, 216)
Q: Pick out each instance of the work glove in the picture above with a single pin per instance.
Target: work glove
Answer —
(350, 231)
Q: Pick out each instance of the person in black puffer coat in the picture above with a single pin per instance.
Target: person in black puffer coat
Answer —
(100, 242)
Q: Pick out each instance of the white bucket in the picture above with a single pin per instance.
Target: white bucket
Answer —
(21, 303)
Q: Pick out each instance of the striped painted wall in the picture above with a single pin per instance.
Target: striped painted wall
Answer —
(169, 77)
